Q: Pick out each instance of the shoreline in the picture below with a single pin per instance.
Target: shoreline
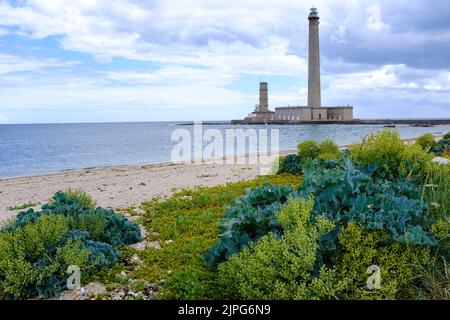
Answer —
(123, 186)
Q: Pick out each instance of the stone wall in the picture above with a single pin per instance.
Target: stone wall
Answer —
(340, 113)
(314, 114)
(320, 114)
(293, 114)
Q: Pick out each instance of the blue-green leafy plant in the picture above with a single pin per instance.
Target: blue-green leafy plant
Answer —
(291, 164)
(102, 224)
(250, 218)
(441, 147)
(344, 193)
(283, 267)
(37, 248)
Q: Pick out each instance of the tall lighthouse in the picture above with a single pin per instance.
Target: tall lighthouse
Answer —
(314, 96)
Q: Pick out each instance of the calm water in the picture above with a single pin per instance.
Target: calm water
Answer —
(36, 149)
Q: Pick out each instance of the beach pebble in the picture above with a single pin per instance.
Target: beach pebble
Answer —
(70, 295)
(140, 246)
(155, 244)
(135, 260)
(143, 232)
(94, 288)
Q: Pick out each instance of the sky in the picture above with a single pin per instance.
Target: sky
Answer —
(162, 60)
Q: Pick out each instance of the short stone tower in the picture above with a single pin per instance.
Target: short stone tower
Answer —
(314, 95)
(263, 97)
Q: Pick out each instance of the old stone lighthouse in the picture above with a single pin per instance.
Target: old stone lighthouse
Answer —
(314, 111)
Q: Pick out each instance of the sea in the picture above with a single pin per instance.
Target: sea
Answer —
(35, 149)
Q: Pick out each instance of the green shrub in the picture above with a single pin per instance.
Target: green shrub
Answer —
(282, 268)
(435, 284)
(328, 150)
(102, 224)
(344, 193)
(37, 248)
(414, 163)
(72, 253)
(191, 219)
(400, 265)
(251, 217)
(81, 198)
(92, 221)
(426, 142)
(186, 285)
(436, 189)
(290, 164)
(24, 253)
(441, 148)
(308, 150)
(391, 156)
(447, 136)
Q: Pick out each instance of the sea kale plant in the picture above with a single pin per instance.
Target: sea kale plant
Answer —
(37, 248)
(290, 164)
(344, 193)
(382, 203)
(442, 147)
(251, 217)
(283, 267)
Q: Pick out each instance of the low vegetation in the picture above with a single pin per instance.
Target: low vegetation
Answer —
(186, 225)
(439, 148)
(37, 248)
(316, 230)
(381, 204)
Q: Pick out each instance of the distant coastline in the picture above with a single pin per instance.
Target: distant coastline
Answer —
(412, 122)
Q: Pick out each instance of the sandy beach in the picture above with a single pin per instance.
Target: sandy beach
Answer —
(120, 187)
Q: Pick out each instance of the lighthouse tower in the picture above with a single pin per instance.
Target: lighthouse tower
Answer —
(314, 96)
(263, 97)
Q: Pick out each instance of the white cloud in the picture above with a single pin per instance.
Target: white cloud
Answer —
(2, 119)
(206, 33)
(10, 64)
(379, 78)
(439, 82)
(202, 47)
